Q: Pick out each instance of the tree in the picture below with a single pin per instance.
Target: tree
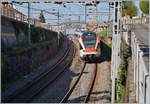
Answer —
(41, 17)
(129, 8)
(144, 6)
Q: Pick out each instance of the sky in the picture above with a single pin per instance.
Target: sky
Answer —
(137, 4)
(69, 9)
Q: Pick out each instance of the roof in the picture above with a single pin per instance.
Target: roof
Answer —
(86, 33)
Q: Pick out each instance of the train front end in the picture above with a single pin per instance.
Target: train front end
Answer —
(89, 46)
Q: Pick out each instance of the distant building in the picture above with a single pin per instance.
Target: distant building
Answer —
(8, 10)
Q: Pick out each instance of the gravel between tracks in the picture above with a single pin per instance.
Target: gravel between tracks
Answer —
(81, 90)
(101, 92)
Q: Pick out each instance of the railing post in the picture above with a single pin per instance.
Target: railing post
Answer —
(147, 90)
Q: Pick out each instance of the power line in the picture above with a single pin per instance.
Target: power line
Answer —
(27, 7)
(38, 10)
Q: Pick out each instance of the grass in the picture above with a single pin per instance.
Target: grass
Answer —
(121, 79)
(120, 83)
(122, 94)
(103, 34)
(110, 45)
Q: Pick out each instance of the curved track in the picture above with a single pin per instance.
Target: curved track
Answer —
(91, 85)
(92, 81)
(34, 88)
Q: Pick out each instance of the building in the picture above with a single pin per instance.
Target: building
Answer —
(8, 10)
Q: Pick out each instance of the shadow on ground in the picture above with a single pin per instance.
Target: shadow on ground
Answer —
(104, 95)
(105, 54)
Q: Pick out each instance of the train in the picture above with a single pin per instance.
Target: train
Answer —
(89, 46)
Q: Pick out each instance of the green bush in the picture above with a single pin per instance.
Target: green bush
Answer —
(103, 34)
(121, 79)
(110, 45)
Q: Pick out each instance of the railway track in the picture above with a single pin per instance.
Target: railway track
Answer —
(91, 85)
(45, 79)
(89, 90)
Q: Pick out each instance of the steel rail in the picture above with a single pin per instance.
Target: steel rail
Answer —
(91, 85)
(59, 74)
(65, 98)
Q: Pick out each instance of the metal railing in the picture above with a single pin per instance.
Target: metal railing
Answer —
(141, 72)
(139, 20)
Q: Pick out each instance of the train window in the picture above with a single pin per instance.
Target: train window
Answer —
(89, 39)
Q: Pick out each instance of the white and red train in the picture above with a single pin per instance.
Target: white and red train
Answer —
(89, 46)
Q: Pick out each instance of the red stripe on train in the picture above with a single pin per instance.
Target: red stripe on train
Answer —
(90, 49)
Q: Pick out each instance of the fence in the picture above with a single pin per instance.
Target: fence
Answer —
(137, 20)
(141, 71)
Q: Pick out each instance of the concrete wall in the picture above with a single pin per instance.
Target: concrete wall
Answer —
(20, 58)
(16, 33)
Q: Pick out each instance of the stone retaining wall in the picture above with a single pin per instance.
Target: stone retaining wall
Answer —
(19, 60)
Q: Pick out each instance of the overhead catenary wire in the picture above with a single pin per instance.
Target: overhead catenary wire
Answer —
(35, 9)
(54, 12)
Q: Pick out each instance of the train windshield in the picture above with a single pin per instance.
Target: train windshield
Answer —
(89, 39)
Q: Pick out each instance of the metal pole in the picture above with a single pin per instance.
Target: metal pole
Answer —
(116, 45)
(79, 25)
(108, 19)
(58, 26)
(109, 14)
(114, 60)
(96, 18)
(85, 14)
(29, 26)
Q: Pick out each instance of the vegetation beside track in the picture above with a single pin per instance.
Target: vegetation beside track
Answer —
(105, 49)
(103, 34)
(122, 76)
(106, 43)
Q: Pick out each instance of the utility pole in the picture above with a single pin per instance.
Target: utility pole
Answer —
(109, 13)
(116, 39)
(29, 26)
(85, 14)
(58, 26)
(79, 25)
(96, 17)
